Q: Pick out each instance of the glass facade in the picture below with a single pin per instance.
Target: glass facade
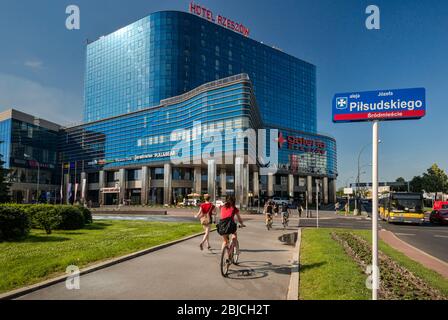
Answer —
(150, 135)
(169, 53)
(5, 142)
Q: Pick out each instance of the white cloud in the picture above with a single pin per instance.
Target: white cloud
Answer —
(34, 64)
(49, 103)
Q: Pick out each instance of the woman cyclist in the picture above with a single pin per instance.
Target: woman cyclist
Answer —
(227, 225)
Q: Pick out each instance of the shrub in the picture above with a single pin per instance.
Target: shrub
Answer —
(47, 218)
(71, 217)
(86, 214)
(14, 222)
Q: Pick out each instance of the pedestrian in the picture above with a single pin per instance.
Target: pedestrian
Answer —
(205, 213)
(300, 209)
(336, 207)
(346, 208)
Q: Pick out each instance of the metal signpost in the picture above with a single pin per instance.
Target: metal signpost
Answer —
(317, 203)
(381, 105)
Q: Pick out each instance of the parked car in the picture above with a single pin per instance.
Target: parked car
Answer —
(439, 216)
(281, 201)
(438, 205)
(219, 203)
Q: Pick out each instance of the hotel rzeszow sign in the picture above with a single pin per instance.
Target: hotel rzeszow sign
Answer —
(222, 21)
(396, 104)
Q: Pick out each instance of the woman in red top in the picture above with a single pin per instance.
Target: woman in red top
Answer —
(205, 213)
(229, 211)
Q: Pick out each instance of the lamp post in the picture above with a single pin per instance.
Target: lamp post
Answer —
(357, 179)
(38, 174)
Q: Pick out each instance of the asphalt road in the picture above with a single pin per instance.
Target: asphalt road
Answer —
(432, 239)
(182, 271)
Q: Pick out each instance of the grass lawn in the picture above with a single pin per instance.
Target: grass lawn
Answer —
(326, 272)
(39, 256)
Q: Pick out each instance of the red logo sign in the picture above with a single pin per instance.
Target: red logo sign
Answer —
(223, 21)
(302, 144)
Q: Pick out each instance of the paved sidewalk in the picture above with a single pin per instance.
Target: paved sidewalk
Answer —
(183, 271)
(415, 254)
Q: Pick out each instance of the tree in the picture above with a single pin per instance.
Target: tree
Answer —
(340, 192)
(416, 184)
(4, 183)
(435, 180)
(401, 187)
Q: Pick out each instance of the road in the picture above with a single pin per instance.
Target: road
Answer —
(429, 238)
(182, 271)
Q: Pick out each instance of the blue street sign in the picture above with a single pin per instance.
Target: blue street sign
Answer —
(397, 104)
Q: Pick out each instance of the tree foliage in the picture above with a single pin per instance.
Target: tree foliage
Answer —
(435, 180)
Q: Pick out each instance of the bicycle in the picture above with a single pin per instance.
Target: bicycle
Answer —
(230, 254)
(269, 221)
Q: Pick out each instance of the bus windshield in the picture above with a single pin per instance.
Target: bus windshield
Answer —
(410, 205)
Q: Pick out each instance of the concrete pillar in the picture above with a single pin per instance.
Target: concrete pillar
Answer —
(101, 184)
(122, 185)
(167, 187)
(239, 192)
(309, 188)
(256, 182)
(270, 185)
(145, 185)
(333, 190)
(325, 187)
(197, 182)
(291, 185)
(223, 182)
(211, 179)
(84, 187)
(245, 185)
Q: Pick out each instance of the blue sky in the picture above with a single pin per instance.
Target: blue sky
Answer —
(42, 63)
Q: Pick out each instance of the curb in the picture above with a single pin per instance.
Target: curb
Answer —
(416, 249)
(293, 289)
(41, 285)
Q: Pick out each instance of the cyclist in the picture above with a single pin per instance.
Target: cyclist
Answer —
(276, 208)
(284, 213)
(268, 211)
(227, 225)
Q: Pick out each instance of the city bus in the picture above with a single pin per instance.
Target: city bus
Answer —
(403, 207)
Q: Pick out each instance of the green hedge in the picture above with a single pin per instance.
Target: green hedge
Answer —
(49, 217)
(14, 223)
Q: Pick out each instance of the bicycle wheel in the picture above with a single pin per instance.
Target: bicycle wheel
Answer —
(236, 252)
(225, 262)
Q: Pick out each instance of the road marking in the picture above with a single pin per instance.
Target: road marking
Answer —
(405, 234)
(440, 236)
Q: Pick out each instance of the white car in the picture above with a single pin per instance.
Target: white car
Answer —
(280, 201)
(219, 203)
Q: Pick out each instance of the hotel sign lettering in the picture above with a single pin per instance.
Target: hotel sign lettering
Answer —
(222, 21)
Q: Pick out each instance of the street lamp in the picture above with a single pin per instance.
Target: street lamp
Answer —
(357, 179)
(38, 173)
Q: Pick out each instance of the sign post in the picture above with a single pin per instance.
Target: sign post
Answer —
(375, 270)
(381, 105)
(317, 203)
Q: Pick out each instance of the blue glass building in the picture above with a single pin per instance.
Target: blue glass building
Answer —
(175, 105)
(169, 53)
